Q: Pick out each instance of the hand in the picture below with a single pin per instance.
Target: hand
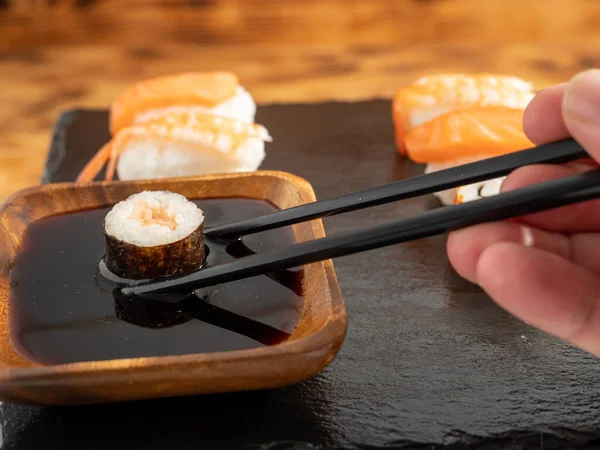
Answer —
(545, 268)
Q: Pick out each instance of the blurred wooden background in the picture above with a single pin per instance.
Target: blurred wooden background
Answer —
(58, 54)
(31, 22)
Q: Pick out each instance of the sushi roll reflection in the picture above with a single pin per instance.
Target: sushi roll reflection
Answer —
(154, 234)
(180, 144)
(217, 93)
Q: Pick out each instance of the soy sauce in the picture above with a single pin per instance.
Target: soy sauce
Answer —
(63, 312)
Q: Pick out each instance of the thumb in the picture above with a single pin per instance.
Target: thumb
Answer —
(581, 110)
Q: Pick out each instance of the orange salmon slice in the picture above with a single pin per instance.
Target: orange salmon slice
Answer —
(468, 133)
(191, 88)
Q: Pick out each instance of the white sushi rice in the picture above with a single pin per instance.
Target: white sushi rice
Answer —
(241, 107)
(479, 190)
(147, 157)
(448, 196)
(445, 197)
(468, 192)
(122, 224)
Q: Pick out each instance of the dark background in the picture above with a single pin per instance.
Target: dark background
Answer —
(429, 361)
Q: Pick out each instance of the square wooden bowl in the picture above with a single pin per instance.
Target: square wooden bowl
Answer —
(313, 345)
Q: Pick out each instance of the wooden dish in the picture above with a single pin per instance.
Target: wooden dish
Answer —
(313, 345)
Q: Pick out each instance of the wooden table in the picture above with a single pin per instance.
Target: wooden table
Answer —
(65, 54)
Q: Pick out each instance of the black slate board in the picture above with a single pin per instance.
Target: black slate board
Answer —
(429, 361)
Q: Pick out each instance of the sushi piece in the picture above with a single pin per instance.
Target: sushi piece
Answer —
(217, 93)
(479, 190)
(180, 144)
(465, 136)
(154, 234)
(432, 96)
(471, 133)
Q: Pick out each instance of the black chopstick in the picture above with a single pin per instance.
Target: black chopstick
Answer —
(548, 195)
(552, 153)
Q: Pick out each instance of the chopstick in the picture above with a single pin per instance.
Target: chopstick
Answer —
(531, 199)
(551, 153)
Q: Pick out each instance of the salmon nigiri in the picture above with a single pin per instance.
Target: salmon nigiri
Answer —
(435, 95)
(465, 136)
(218, 93)
(468, 134)
(179, 144)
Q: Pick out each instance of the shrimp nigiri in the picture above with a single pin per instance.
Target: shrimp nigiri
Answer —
(217, 93)
(179, 144)
(435, 95)
(465, 136)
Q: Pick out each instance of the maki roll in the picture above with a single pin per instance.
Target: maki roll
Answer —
(154, 234)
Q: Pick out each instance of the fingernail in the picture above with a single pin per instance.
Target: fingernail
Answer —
(582, 98)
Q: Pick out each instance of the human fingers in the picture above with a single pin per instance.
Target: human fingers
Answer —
(542, 120)
(465, 247)
(581, 110)
(545, 290)
(580, 217)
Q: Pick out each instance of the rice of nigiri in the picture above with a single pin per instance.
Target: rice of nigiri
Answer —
(217, 93)
(154, 234)
(181, 144)
(152, 155)
(432, 96)
(448, 196)
(476, 191)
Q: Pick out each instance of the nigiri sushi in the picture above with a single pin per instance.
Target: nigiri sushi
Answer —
(153, 234)
(431, 96)
(179, 144)
(217, 93)
(465, 136)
